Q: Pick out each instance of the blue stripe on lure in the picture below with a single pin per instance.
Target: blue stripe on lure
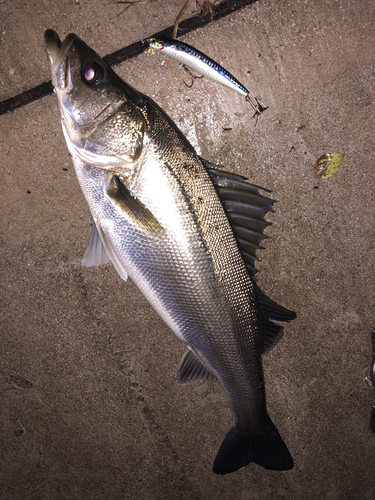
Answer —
(198, 61)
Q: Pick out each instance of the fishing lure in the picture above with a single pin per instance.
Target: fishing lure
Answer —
(198, 61)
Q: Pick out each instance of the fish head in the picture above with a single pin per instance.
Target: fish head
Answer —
(79, 76)
(94, 102)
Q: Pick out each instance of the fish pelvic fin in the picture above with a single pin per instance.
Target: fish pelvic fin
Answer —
(192, 368)
(100, 251)
(96, 253)
(239, 449)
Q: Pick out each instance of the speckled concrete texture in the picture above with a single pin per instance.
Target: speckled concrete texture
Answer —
(90, 407)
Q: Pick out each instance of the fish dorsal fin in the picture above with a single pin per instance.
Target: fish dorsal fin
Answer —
(271, 310)
(246, 208)
(101, 251)
(96, 253)
(272, 333)
(192, 368)
(133, 209)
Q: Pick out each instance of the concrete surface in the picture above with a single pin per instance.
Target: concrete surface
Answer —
(90, 407)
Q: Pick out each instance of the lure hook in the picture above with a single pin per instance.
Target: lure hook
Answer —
(193, 77)
(258, 108)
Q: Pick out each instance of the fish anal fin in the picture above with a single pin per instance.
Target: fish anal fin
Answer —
(266, 449)
(191, 368)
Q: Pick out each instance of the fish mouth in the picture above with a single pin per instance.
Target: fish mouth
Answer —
(58, 58)
(53, 45)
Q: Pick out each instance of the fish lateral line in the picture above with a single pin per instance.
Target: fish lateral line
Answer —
(193, 58)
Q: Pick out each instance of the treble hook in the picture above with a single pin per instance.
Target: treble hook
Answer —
(259, 107)
(193, 77)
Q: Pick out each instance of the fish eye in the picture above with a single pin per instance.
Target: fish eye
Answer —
(92, 73)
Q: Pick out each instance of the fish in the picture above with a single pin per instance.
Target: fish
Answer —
(183, 230)
(192, 57)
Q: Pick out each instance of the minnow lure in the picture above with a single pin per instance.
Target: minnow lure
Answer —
(189, 56)
(371, 382)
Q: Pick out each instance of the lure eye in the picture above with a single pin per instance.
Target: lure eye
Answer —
(156, 44)
(92, 73)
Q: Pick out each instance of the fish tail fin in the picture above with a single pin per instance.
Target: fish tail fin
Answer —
(239, 449)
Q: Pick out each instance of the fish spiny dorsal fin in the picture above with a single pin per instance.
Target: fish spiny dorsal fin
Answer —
(191, 368)
(246, 208)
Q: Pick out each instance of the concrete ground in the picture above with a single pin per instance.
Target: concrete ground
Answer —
(90, 407)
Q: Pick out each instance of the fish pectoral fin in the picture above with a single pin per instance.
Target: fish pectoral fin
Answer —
(132, 208)
(192, 368)
(96, 253)
(101, 251)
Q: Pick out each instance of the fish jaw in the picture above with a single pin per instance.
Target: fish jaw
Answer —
(60, 64)
(57, 53)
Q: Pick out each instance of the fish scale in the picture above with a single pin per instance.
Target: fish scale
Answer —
(174, 224)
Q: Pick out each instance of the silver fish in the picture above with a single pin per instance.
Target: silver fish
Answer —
(183, 230)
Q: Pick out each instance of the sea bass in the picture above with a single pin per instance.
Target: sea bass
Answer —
(183, 230)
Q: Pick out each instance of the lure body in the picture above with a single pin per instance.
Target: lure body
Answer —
(198, 61)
